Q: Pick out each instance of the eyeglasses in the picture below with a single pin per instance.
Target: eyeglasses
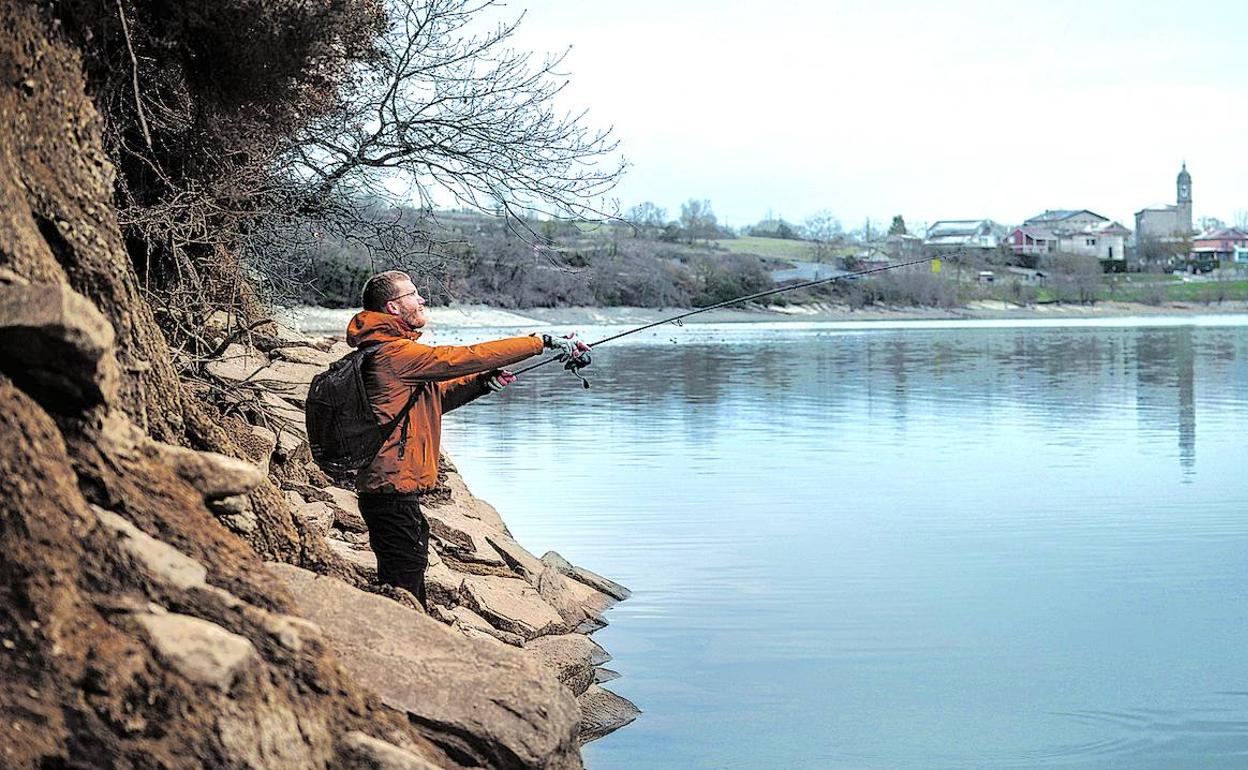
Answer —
(401, 296)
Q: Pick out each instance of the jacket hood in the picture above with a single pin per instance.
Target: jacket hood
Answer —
(368, 327)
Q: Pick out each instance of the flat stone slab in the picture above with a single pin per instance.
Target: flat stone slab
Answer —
(318, 516)
(572, 657)
(591, 579)
(346, 510)
(213, 475)
(576, 602)
(603, 712)
(237, 363)
(166, 564)
(366, 752)
(442, 584)
(360, 557)
(464, 618)
(511, 604)
(287, 379)
(470, 506)
(463, 538)
(199, 650)
(304, 354)
(482, 701)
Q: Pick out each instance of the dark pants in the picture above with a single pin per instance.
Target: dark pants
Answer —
(399, 535)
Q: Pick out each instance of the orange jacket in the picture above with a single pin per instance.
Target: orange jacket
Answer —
(445, 376)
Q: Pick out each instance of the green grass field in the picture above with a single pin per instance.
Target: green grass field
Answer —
(771, 248)
(1205, 291)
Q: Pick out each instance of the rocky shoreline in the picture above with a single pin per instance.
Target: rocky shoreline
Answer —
(481, 583)
(257, 627)
(181, 588)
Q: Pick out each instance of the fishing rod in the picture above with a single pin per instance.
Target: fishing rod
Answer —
(570, 364)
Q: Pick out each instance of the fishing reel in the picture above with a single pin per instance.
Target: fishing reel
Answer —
(575, 365)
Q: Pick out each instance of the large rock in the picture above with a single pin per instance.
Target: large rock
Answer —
(213, 475)
(572, 657)
(512, 605)
(201, 651)
(305, 354)
(442, 584)
(591, 579)
(484, 702)
(603, 712)
(288, 378)
(364, 752)
(463, 538)
(317, 516)
(362, 558)
(346, 510)
(161, 561)
(575, 602)
(521, 562)
(466, 621)
(237, 363)
(57, 346)
(469, 505)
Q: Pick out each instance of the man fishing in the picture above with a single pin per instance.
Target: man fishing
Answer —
(426, 381)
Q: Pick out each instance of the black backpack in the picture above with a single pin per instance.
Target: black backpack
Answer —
(342, 430)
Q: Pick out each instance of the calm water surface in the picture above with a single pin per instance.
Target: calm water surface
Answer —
(912, 545)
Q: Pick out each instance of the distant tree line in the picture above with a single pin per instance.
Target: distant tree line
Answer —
(487, 262)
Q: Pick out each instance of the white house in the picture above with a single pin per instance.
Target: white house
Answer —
(1106, 241)
(965, 233)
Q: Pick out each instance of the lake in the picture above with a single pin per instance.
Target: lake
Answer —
(899, 545)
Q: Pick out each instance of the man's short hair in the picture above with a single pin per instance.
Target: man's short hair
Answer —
(382, 288)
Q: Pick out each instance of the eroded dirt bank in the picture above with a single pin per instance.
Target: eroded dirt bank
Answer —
(180, 587)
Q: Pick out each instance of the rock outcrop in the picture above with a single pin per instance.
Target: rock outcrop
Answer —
(481, 701)
(139, 625)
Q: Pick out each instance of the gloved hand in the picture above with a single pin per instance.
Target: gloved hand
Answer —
(499, 379)
(568, 347)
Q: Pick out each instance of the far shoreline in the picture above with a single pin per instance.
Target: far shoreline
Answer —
(318, 320)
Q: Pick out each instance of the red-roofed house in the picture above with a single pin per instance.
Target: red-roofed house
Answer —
(1032, 240)
(1227, 244)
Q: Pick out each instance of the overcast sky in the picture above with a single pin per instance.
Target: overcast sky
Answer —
(935, 110)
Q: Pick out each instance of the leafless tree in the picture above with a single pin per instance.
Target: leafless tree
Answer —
(647, 218)
(246, 134)
(823, 228)
(1076, 278)
(697, 220)
(443, 114)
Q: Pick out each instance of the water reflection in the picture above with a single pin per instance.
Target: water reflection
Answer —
(909, 547)
(1067, 376)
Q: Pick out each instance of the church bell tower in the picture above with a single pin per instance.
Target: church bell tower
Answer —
(1184, 187)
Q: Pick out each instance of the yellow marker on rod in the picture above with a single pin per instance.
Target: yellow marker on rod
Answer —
(935, 265)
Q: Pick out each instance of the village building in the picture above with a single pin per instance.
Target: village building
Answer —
(1070, 231)
(1164, 223)
(1066, 219)
(949, 234)
(903, 247)
(1225, 244)
(1106, 241)
(1032, 241)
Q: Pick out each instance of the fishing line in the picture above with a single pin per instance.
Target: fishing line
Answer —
(726, 303)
